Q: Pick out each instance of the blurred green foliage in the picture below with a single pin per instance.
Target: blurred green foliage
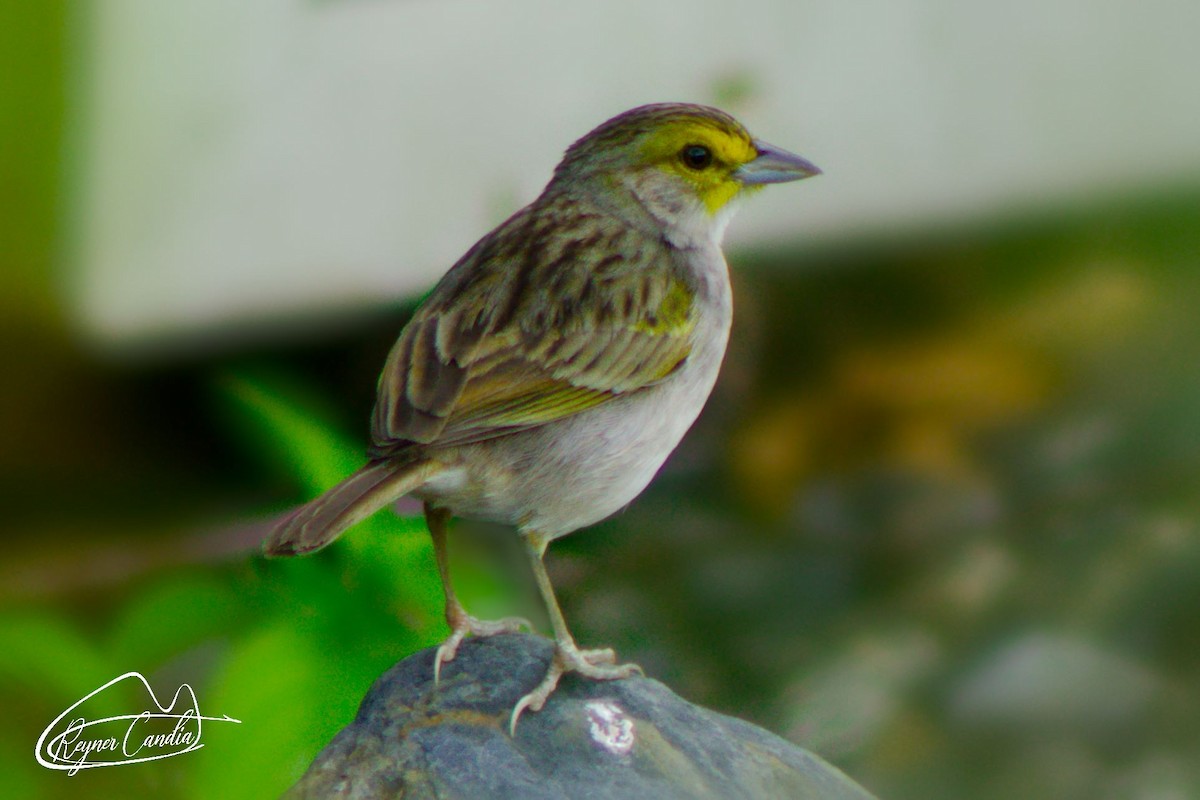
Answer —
(32, 59)
(288, 647)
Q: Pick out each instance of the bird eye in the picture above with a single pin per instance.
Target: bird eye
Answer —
(696, 156)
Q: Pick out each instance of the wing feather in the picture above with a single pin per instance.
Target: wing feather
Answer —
(487, 355)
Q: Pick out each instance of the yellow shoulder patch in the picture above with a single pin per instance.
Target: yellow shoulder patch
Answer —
(673, 313)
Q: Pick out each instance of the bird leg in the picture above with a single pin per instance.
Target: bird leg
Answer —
(598, 665)
(461, 623)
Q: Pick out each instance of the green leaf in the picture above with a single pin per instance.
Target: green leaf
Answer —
(277, 683)
(21, 775)
(51, 658)
(284, 422)
(172, 616)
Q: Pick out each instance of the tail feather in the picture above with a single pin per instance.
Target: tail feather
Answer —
(318, 522)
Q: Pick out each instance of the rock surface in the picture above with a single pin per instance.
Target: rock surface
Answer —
(632, 738)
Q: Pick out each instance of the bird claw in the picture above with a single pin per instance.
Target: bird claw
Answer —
(466, 624)
(598, 665)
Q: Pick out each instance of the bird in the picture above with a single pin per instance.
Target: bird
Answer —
(554, 368)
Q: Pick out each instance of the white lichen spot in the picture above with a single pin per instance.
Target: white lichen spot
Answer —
(610, 727)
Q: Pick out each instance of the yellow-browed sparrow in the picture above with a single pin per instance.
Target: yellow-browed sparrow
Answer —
(560, 361)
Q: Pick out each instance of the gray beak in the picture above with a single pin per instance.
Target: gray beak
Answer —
(774, 165)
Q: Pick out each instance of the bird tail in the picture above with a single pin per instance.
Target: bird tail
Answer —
(318, 522)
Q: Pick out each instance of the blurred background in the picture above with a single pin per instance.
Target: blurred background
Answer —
(938, 523)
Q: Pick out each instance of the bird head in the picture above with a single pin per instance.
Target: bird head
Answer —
(684, 165)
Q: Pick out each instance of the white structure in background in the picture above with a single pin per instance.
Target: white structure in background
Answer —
(254, 162)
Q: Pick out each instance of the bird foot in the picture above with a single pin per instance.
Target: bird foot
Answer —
(466, 624)
(599, 665)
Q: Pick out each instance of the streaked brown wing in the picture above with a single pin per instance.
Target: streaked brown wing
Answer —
(526, 330)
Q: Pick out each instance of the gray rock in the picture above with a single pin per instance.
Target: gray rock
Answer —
(623, 739)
